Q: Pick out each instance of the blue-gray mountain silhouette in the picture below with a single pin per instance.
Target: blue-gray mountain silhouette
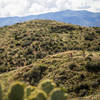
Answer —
(83, 18)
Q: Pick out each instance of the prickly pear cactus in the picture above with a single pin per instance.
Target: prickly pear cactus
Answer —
(16, 92)
(0, 92)
(47, 86)
(29, 90)
(38, 95)
(57, 94)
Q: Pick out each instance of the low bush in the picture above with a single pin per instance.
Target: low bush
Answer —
(93, 66)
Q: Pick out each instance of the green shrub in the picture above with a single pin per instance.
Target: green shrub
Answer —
(1, 92)
(57, 94)
(36, 74)
(2, 50)
(26, 43)
(38, 95)
(16, 92)
(93, 66)
(47, 86)
(29, 90)
(72, 66)
(40, 55)
(79, 89)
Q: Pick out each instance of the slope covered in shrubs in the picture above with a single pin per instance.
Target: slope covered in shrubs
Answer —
(42, 49)
(24, 43)
(70, 74)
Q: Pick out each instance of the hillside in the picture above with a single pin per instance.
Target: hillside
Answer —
(43, 49)
(22, 44)
(83, 17)
(80, 82)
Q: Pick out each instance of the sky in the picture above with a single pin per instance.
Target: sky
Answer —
(10, 8)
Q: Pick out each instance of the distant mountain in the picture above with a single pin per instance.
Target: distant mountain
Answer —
(84, 18)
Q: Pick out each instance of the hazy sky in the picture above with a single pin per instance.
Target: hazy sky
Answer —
(30, 7)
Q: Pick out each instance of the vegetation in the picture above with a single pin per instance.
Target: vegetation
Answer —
(57, 94)
(0, 92)
(47, 86)
(17, 93)
(24, 43)
(42, 49)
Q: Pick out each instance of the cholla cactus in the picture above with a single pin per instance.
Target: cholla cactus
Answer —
(29, 90)
(57, 94)
(47, 86)
(38, 95)
(16, 92)
(0, 92)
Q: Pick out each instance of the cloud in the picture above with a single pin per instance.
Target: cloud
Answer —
(31, 7)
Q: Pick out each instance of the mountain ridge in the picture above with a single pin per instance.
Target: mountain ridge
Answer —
(83, 18)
